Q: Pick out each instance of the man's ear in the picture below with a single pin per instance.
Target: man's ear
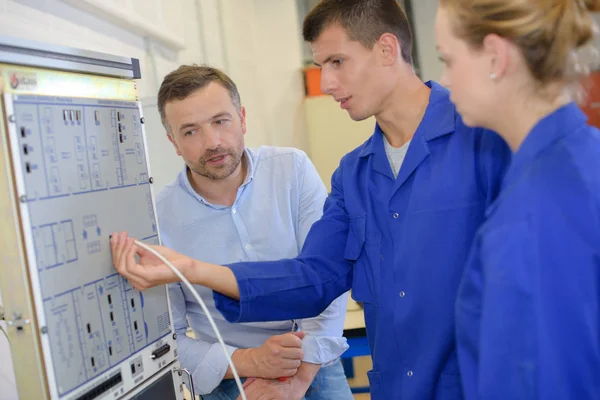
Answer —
(173, 143)
(388, 48)
(243, 118)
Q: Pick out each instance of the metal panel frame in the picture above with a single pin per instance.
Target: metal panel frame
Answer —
(23, 306)
(15, 282)
(23, 210)
(29, 53)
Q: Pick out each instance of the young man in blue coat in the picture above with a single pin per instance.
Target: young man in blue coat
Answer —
(399, 221)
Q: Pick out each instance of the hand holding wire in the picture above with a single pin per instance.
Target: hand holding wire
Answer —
(160, 270)
(294, 327)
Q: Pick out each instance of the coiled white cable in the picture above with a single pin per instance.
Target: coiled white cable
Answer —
(210, 319)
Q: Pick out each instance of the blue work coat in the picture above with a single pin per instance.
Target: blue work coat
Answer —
(399, 244)
(528, 313)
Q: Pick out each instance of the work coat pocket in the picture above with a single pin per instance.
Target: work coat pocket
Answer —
(363, 249)
(375, 384)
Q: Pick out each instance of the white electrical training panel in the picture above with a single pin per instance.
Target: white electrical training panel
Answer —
(74, 169)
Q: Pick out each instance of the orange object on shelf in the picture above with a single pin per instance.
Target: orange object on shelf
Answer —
(591, 106)
(312, 81)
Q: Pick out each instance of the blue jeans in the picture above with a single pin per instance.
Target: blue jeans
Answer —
(329, 384)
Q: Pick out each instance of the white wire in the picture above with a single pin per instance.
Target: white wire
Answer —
(210, 319)
(5, 334)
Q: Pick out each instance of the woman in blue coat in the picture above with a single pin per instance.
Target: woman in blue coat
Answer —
(528, 311)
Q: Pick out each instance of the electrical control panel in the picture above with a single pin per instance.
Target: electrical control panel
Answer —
(75, 162)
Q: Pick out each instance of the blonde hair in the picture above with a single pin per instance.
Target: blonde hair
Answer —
(548, 32)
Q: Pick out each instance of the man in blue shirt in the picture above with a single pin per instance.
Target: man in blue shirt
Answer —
(398, 238)
(229, 204)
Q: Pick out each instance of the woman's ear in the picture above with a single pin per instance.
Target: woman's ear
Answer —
(498, 51)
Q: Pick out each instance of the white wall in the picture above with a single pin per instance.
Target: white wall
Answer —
(256, 42)
(424, 16)
(264, 56)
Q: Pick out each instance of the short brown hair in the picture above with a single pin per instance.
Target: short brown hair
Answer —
(186, 79)
(546, 31)
(364, 21)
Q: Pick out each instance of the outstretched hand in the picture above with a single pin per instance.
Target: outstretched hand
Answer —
(148, 270)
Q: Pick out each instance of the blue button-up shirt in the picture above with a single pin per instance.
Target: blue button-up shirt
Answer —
(528, 313)
(281, 197)
(400, 244)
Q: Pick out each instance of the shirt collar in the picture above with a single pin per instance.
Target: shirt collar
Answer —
(439, 120)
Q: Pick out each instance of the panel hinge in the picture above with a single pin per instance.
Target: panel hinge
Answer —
(18, 321)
